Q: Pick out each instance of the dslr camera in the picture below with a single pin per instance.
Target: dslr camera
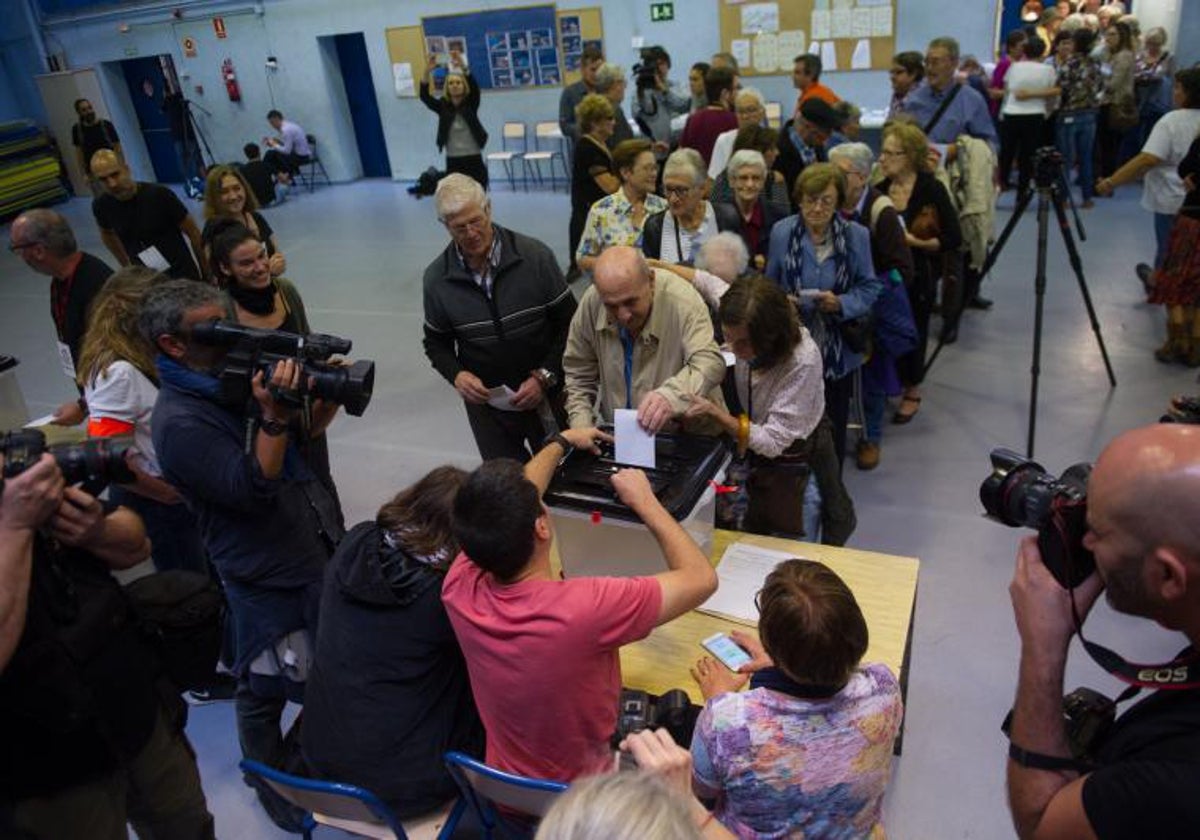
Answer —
(93, 462)
(1020, 493)
(637, 710)
(252, 349)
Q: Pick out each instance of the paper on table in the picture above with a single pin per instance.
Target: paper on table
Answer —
(153, 258)
(501, 397)
(634, 445)
(790, 45)
(740, 575)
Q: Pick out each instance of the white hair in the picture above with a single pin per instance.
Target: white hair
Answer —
(859, 155)
(456, 192)
(608, 75)
(724, 254)
(685, 163)
(745, 157)
(751, 93)
(618, 806)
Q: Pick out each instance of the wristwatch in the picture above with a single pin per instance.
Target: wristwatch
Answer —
(546, 377)
(272, 428)
(557, 437)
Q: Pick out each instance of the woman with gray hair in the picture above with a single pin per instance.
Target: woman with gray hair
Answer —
(749, 175)
(1153, 69)
(610, 83)
(676, 234)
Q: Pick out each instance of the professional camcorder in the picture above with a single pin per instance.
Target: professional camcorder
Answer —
(253, 349)
(1020, 493)
(645, 75)
(94, 462)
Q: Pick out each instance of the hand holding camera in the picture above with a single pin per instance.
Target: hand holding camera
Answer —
(1042, 606)
(279, 398)
(31, 497)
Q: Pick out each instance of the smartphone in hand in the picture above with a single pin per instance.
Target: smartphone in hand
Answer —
(728, 652)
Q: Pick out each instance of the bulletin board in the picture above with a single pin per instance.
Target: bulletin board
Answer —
(505, 48)
(406, 51)
(577, 28)
(846, 34)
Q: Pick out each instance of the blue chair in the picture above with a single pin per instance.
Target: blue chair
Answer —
(483, 788)
(353, 809)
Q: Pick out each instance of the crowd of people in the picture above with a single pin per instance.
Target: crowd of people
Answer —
(817, 265)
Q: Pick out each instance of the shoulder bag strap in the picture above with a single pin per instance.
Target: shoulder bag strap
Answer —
(937, 115)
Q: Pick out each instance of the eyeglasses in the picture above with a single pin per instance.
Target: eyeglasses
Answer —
(676, 192)
(470, 226)
(17, 246)
(823, 202)
(890, 153)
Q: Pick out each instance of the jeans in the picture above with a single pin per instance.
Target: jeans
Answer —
(1076, 139)
(874, 407)
(1162, 231)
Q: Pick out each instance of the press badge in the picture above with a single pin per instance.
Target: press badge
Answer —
(66, 360)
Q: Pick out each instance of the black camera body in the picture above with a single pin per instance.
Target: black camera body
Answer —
(1089, 716)
(637, 710)
(252, 349)
(645, 75)
(1020, 493)
(1048, 165)
(93, 462)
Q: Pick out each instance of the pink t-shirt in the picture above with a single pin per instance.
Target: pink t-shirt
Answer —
(543, 661)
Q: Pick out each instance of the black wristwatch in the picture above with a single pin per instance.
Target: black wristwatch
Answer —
(272, 428)
(557, 437)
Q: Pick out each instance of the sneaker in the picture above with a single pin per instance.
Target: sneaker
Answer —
(867, 455)
(220, 690)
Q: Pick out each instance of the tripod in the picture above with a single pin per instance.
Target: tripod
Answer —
(1051, 186)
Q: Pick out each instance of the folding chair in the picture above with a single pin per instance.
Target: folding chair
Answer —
(313, 163)
(353, 809)
(549, 133)
(774, 115)
(483, 788)
(512, 133)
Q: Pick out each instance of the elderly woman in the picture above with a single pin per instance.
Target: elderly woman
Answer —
(1152, 73)
(1118, 111)
(618, 219)
(676, 234)
(610, 83)
(807, 750)
(893, 263)
(750, 110)
(824, 262)
(459, 130)
(765, 141)
(932, 229)
(748, 174)
(227, 195)
(592, 176)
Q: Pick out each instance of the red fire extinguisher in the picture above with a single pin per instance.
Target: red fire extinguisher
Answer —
(231, 82)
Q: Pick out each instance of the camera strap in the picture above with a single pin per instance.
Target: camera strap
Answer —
(1181, 673)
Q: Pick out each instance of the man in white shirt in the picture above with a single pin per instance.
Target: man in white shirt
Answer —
(287, 151)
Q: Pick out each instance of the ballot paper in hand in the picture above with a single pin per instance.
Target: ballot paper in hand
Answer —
(501, 397)
(153, 258)
(634, 445)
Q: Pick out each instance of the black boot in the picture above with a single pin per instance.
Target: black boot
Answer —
(972, 280)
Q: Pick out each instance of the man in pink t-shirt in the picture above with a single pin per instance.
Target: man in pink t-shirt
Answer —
(542, 651)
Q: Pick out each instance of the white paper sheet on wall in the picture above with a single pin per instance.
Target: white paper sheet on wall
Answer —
(843, 4)
(766, 52)
(819, 25)
(881, 21)
(791, 44)
(840, 23)
(814, 48)
(829, 55)
(760, 17)
(860, 23)
(820, 5)
(402, 78)
(861, 60)
(740, 47)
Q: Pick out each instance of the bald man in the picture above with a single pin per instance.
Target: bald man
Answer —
(1144, 530)
(143, 223)
(641, 338)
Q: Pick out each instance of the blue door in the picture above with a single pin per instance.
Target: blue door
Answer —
(146, 81)
(364, 110)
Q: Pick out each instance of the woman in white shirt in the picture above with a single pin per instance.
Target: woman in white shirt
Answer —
(1029, 85)
(119, 381)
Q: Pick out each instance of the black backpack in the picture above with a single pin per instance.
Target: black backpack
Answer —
(182, 615)
(427, 183)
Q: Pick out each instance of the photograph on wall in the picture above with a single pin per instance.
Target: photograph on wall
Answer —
(457, 44)
(524, 77)
(497, 41)
(547, 58)
(549, 75)
(572, 44)
(435, 45)
(572, 61)
(541, 38)
(500, 61)
(518, 40)
(568, 26)
(521, 58)
(501, 79)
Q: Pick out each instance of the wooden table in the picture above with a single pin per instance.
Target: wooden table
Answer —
(884, 585)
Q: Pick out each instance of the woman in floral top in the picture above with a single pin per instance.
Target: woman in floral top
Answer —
(617, 219)
(807, 751)
(1081, 84)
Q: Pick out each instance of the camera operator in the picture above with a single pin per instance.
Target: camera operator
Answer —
(656, 102)
(1144, 529)
(268, 522)
(88, 743)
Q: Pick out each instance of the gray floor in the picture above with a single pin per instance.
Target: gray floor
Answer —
(357, 252)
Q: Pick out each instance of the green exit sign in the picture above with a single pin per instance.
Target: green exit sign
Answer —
(662, 11)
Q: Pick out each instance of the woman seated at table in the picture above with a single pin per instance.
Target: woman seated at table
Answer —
(765, 141)
(779, 413)
(592, 176)
(227, 195)
(749, 172)
(807, 751)
(389, 694)
(824, 263)
(676, 234)
(617, 219)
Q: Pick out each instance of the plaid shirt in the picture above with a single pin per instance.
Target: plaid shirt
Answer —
(485, 279)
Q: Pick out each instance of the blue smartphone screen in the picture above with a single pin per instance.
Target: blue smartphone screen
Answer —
(726, 650)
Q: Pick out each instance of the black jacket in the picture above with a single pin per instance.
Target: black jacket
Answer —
(652, 231)
(446, 111)
(522, 327)
(389, 693)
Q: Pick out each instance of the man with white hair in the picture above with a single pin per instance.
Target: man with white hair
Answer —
(610, 83)
(750, 109)
(497, 311)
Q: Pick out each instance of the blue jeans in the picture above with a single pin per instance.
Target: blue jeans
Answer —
(1162, 230)
(1076, 139)
(874, 407)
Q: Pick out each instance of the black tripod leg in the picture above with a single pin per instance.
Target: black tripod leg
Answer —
(1077, 266)
(1039, 294)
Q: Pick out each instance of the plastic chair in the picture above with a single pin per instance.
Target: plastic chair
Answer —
(511, 133)
(551, 135)
(353, 809)
(774, 115)
(313, 163)
(483, 788)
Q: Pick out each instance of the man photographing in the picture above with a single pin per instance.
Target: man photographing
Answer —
(1144, 531)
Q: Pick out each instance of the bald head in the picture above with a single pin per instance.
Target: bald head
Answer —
(625, 285)
(108, 169)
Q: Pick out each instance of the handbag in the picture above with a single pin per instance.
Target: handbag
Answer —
(776, 487)
(927, 224)
(856, 332)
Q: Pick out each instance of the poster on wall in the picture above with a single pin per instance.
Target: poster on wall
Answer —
(505, 48)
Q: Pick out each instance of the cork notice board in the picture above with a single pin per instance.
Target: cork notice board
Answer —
(847, 34)
(576, 29)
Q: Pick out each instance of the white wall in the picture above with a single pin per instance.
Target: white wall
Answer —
(301, 88)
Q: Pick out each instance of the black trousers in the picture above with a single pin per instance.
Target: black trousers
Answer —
(506, 434)
(472, 165)
(1020, 135)
(837, 409)
(288, 162)
(911, 366)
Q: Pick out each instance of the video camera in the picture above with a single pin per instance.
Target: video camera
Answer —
(94, 462)
(253, 349)
(645, 75)
(1020, 493)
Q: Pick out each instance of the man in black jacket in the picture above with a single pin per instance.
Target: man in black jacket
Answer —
(497, 311)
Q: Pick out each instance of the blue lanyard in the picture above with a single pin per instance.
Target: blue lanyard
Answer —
(627, 344)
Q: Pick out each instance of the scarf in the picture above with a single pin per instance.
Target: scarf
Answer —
(182, 378)
(776, 680)
(254, 301)
(822, 325)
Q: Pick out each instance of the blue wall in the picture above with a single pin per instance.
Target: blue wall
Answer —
(302, 86)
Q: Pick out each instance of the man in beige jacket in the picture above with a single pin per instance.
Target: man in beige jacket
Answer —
(641, 338)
